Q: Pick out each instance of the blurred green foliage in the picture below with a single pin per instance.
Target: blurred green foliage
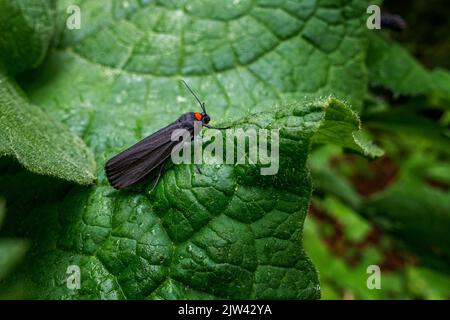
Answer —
(395, 211)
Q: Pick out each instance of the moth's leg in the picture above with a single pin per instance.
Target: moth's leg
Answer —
(160, 173)
(211, 127)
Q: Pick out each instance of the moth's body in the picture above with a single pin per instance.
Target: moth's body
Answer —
(145, 157)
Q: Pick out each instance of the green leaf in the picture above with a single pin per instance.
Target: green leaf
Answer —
(39, 143)
(27, 29)
(338, 275)
(440, 84)
(392, 67)
(417, 214)
(342, 245)
(11, 250)
(226, 233)
(326, 180)
(428, 283)
(343, 127)
(404, 121)
(318, 49)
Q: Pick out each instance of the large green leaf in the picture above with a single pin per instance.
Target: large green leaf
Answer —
(37, 141)
(228, 232)
(241, 54)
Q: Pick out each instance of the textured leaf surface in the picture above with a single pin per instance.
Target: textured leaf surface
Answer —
(226, 233)
(38, 142)
(27, 29)
(229, 232)
(244, 54)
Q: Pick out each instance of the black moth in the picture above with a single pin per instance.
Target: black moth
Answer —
(150, 154)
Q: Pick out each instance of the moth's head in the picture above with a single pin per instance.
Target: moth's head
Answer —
(203, 117)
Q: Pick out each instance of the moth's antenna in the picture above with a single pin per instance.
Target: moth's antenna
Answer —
(202, 104)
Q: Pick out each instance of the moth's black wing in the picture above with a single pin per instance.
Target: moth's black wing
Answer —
(139, 161)
(126, 174)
